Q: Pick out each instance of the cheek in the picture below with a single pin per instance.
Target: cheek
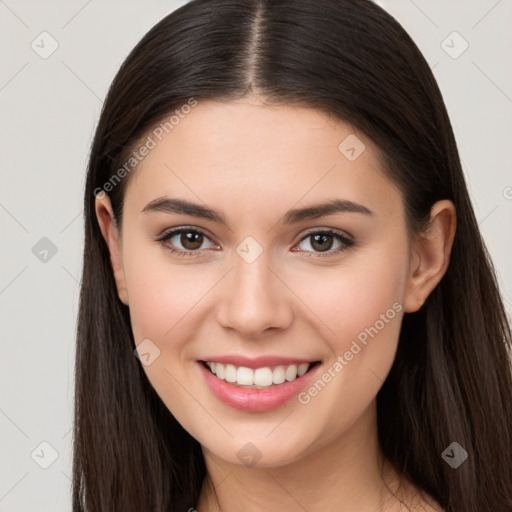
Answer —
(164, 301)
(162, 294)
(339, 308)
(345, 302)
(360, 312)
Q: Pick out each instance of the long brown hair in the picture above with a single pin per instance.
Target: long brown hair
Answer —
(451, 380)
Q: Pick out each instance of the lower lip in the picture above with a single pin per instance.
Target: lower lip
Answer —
(247, 399)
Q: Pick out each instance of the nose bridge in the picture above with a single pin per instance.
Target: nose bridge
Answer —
(256, 298)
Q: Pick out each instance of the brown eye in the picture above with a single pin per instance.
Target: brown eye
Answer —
(323, 241)
(191, 240)
(184, 242)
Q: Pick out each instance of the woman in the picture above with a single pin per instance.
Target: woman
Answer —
(286, 301)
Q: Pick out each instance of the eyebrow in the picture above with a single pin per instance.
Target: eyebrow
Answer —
(329, 207)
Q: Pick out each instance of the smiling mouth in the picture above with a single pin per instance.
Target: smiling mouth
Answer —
(258, 378)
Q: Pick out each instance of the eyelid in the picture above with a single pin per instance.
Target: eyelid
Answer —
(178, 229)
(167, 231)
(346, 241)
(343, 237)
(332, 231)
(172, 232)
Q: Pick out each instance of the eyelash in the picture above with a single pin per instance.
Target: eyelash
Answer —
(347, 242)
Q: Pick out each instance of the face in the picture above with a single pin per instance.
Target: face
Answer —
(268, 292)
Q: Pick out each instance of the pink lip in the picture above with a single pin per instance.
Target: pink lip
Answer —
(256, 400)
(256, 362)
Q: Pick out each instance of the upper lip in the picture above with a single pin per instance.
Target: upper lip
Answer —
(257, 362)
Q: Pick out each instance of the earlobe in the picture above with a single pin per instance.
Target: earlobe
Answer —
(430, 255)
(109, 230)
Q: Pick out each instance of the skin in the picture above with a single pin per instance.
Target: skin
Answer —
(252, 163)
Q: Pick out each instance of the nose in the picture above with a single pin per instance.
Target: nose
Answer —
(254, 299)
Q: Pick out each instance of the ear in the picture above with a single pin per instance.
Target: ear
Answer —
(430, 255)
(112, 237)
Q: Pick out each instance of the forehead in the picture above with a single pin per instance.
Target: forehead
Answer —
(245, 153)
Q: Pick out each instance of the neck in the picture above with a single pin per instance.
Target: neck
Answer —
(346, 474)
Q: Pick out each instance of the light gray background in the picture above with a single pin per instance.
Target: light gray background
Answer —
(49, 108)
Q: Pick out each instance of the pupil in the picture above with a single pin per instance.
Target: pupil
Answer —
(323, 238)
(195, 239)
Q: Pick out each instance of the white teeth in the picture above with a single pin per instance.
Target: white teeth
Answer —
(230, 374)
(278, 375)
(244, 376)
(302, 369)
(291, 372)
(220, 371)
(261, 377)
